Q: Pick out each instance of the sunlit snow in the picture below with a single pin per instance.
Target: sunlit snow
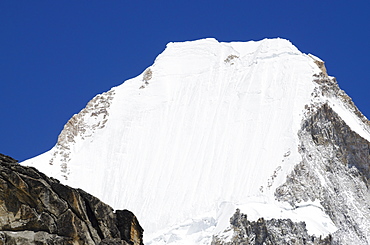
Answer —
(214, 129)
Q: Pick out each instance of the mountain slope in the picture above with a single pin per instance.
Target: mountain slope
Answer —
(207, 128)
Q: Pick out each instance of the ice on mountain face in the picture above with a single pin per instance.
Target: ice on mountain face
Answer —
(207, 124)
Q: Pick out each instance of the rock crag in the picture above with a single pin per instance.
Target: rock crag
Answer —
(335, 171)
(269, 232)
(36, 209)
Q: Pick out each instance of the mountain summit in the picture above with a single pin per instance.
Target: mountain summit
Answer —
(212, 127)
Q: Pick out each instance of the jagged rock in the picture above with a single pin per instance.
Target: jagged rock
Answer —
(129, 226)
(35, 209)
(335, 171)
(269, 232)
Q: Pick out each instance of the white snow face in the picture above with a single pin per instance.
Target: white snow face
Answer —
(208, 124)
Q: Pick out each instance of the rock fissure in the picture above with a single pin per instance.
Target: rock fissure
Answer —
(93, 220)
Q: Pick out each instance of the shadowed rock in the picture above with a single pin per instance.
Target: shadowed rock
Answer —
(36, 209)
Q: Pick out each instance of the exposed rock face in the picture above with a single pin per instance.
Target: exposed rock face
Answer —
(274, 231)
(35, 209)
(82, 125)
(335, 171)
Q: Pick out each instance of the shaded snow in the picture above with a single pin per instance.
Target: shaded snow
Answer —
(351, 119)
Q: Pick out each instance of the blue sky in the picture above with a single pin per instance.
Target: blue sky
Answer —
(57, 55)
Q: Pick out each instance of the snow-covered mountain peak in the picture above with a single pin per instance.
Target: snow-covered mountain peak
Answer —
(209, 127)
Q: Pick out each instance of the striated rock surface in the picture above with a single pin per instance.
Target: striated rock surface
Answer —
(268, 232)
(35, 209)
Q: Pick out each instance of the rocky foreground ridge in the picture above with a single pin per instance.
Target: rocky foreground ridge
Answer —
(36, 209)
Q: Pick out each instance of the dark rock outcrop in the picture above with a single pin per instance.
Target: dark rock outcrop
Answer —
(269, 232)
(36, 209)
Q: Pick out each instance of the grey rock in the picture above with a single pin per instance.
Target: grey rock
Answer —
(335, 171)
(269, 232)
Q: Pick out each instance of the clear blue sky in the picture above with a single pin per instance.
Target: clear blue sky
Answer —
(57, 55)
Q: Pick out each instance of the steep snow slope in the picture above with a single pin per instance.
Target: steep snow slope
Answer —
(207, 128)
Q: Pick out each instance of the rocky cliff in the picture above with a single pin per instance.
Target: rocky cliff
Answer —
(36, 209)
